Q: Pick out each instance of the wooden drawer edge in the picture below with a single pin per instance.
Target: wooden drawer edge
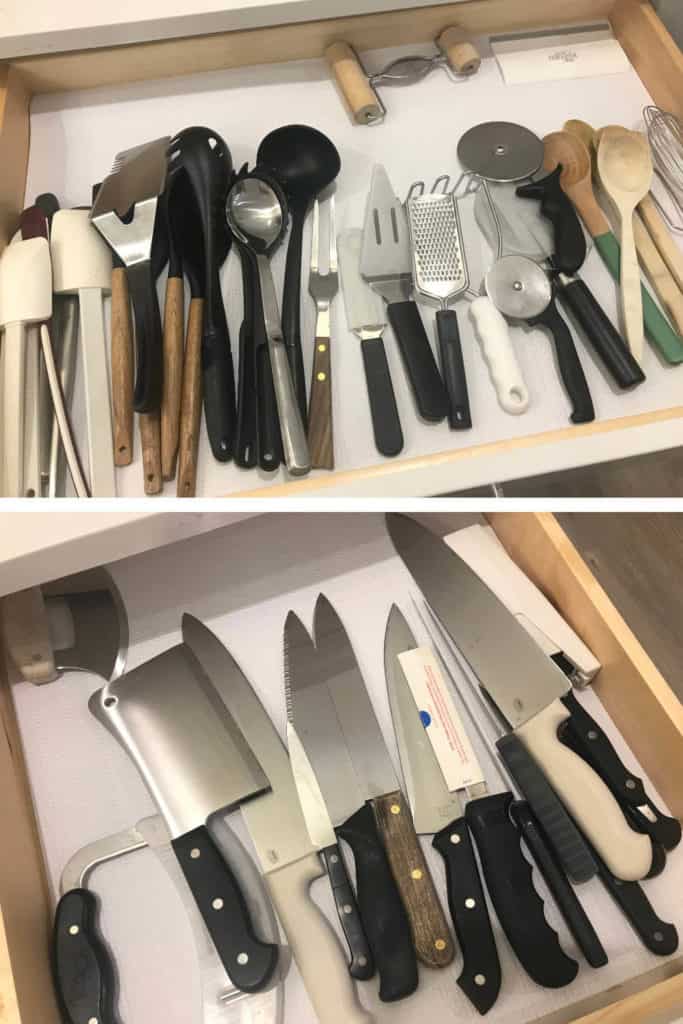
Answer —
(654, 1005)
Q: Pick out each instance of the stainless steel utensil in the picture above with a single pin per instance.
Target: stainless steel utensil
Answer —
(323, 287)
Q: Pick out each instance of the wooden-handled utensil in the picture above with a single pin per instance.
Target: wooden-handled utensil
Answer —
(174, 336)
(625, 168)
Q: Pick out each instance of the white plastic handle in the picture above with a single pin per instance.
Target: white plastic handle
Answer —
(627, 853)
(493, 335)
(13, 374)
(317, 951)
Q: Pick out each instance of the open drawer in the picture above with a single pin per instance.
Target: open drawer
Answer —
(81, 108)
(64, 782)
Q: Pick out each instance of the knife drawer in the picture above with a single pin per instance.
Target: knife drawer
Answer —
(64, 782)
(86, 106)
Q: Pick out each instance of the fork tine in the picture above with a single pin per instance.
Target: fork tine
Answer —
(315, 237)
(333, 239)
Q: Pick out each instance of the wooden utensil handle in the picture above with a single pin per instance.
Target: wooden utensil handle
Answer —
(656, 225)
(174, 331)
(320, 437)
(631, 301)
(121, 368)
(191, 403)
(432, 939)
(657, 272)
(150, 439)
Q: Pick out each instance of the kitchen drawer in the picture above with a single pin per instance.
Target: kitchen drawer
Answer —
(86, 106)
(64, 782)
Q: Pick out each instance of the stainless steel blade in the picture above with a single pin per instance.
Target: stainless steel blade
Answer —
(85, 860)
(183, 740)
(510, 665)
(356, 717)
(432, 804)
(312, 711)
(385, 251)
(274, 820)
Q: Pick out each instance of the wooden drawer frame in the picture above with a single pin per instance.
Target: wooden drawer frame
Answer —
(639, 700)
(650, 48)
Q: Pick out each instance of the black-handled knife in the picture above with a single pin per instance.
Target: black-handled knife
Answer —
(658, 936)
(82, 967)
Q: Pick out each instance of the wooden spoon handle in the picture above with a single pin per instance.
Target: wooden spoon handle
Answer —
(657, 273)
(150, 439)
(121, 368)
(631, 301)
(656, 225)
(191, 404)
(174, 330)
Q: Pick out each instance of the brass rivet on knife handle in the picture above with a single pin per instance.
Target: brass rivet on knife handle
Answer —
(149, 424)
(431, 937)
(174, 331)
(191, 404)
(463, 57)
(357, 92)
(121, 368)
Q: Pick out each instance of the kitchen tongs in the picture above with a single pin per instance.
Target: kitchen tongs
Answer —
(124, 213)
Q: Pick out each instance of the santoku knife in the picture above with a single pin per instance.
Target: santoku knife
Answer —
(525, 686)
(288, 859)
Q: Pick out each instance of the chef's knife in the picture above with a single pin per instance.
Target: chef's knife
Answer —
(376, 776)
(288, 858)
(311, 709)
(525, 686)
(298, 647)
(438, 812)
(194, 760)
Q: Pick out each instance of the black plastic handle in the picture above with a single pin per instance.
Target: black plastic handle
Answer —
(570, 242)
(418, 359)
(658, 936)
(218, 380)
(248, 962)
(82, 967)
(480, 976)
(149, 354)
(246, 430)
(382, 913)
(510, 885)
(569, 364)
(577, 920)
(565, 838)
(601, 333)
(291, 303)
(386, 425)
(583, 734)
(453, 370)
(362, 965)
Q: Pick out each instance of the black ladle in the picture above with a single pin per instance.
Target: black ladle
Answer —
(305, 162)
(208, 165)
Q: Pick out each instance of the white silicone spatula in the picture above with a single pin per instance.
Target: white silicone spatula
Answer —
(82, 265)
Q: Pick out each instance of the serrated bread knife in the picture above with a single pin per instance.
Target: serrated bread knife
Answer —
(525, 686)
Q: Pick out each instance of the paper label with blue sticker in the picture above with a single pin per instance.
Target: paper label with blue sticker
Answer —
(440, 718)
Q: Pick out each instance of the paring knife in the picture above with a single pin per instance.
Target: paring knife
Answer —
(194, 760)
(312, 711)
(438, 812)
(387, 265)
(523, 815)
(525, 686)
(344, 686)
(288, 859)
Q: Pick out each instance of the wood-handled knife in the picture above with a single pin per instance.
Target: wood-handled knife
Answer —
(525, 686)
(286, 854)
(372, 766)
(312, 712)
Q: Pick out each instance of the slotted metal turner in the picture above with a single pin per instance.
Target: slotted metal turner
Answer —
(440, 275)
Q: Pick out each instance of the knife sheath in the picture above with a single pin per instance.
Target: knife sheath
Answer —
(431, 935)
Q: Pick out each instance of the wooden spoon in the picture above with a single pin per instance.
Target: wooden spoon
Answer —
(625, 168)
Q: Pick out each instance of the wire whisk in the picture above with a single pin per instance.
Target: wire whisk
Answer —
(665, 135)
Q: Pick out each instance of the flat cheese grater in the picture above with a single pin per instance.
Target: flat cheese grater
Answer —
(440, 276)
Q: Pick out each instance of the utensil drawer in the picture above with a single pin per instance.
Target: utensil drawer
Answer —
(63, 782)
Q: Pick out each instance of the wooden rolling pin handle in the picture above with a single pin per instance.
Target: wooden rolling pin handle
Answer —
(150, 439)
(462, 56)
(174, 332)
(359, 96)
(191, 405)
(121, 368)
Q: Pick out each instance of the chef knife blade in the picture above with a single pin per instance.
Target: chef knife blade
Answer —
(377, 779)
(311, 709)
(438, 812)
(525, 686)
(276, 824)
(194, 760)
(318, 822)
